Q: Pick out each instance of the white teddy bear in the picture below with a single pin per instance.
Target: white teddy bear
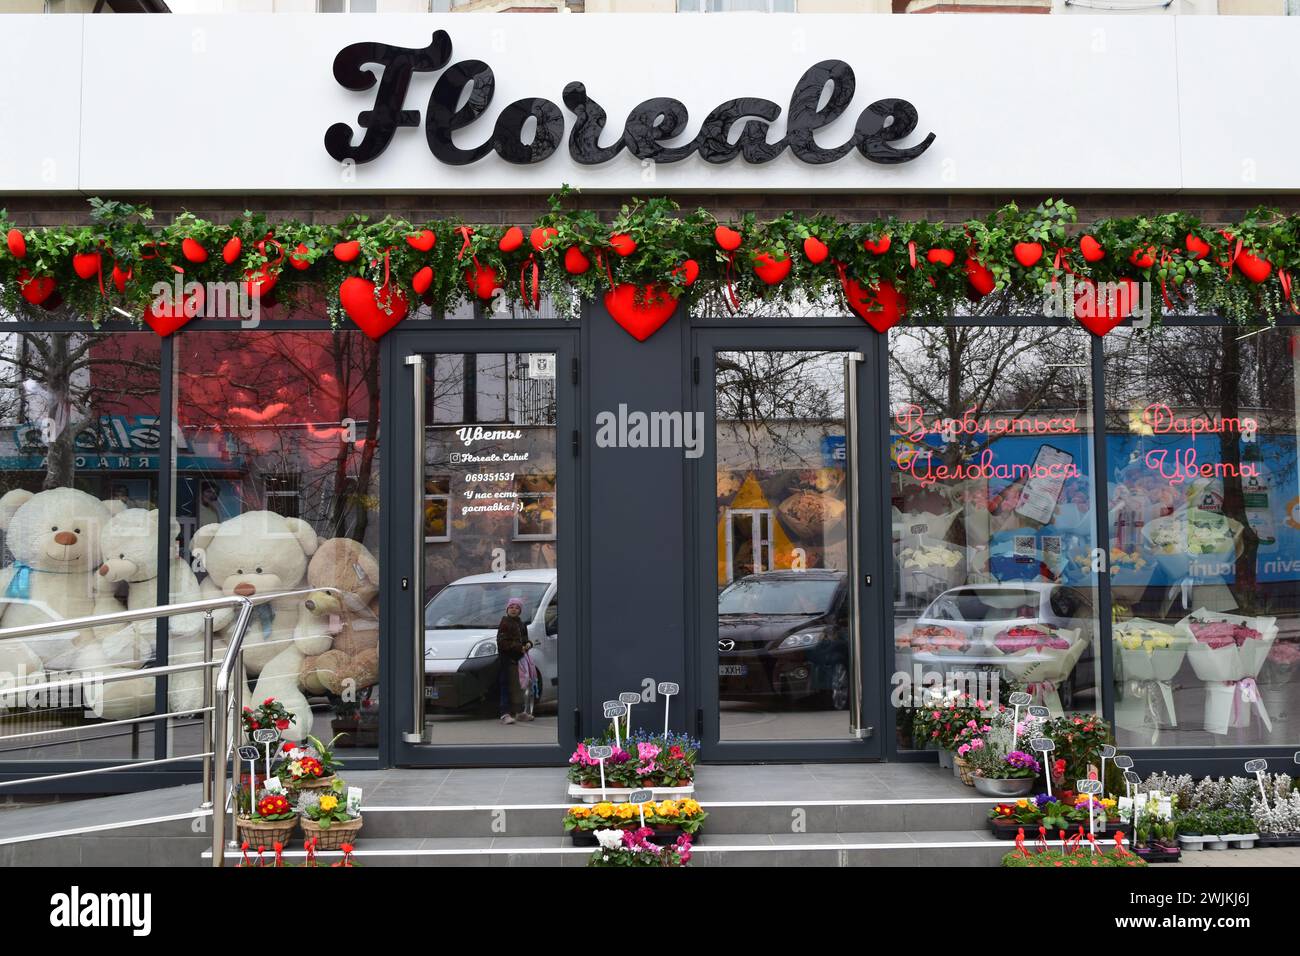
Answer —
(54, 537)
(260, 552)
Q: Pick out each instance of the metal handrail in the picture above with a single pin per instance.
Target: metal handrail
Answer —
(222, 695)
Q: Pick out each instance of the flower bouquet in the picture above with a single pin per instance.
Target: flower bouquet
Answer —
(937, 639)
(1192, 535)
(666, 818)
(928, 564)
(271, 822)
(328, 818)
(309, 766)
(1227, 651)
(633, 848)
(1149, 650)
(1040, 657)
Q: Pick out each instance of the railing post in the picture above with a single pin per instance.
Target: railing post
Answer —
(219, 747)
(210, 717)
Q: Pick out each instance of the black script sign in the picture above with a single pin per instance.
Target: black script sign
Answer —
(464, 91)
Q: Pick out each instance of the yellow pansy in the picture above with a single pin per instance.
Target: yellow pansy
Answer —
(690, 807)
(603, 809)
(329, 802)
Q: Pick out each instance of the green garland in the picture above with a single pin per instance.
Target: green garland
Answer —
(650, 243)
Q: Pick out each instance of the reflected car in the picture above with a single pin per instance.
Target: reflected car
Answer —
(972, 616)
(783, 636)
(461, 664)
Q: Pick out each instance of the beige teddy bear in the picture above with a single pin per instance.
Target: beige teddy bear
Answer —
(352, 621)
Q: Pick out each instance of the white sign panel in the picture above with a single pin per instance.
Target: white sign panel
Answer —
(1064, 105)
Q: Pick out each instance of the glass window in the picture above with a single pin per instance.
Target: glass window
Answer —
(276, 489)
(1204, 535)
(78, 473)
(992, 501)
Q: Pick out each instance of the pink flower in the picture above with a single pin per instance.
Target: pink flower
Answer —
(647, 751)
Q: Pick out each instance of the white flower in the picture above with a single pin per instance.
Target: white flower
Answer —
(610, 839)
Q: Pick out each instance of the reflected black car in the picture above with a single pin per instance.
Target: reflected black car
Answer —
(783, 636)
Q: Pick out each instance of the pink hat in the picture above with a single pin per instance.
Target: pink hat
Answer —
(515, 602)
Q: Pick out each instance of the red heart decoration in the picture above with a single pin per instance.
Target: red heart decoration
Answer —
(772, 270)
(1253, 267)
(881, 306)
(165, 318)
(422, 241)
(357, 297)
(86, 264)
(1027, 253)
(35, 290)
(815, 250)
(347, 251)
(541, 237)
(1197, 247)
(981, 278)
(690, 270)
(232, 250)
(877, 247)
(512, 240)
(298, 260)
(622, 243)
(483, 281)
(17, 243)
(640, 319)
(728, 238)
(1099, 317)
(193, 251)
(941, 257)
(1143, 258)
(1091, 249)
(422, 280)
(575, 263)
(258, 283)
(121, 277)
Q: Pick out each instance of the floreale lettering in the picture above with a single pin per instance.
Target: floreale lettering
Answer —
(879, 127)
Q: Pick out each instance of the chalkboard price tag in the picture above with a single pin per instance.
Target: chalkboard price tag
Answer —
(640, 796)
(1019, 699)
(1256, 766)
(601, 752)
(250, 753)
(1124, 762)
(1131, 777)
(1088, 786)
(267, 735)
(614, 708)
(629, 697)
(1040, 712)
(1043, 744)
(1107, 751)
(668, 687)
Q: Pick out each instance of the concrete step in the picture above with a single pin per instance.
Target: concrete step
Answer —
(931, 848)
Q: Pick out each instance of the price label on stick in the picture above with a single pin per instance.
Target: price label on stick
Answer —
(1088, 786)
(267, 735)
(629, 697)
(1131, 777)
(668, 687)
(1043, 744)
(1124, 762)
(601, 752)
(1107, 751)
(250, 753)
(639, 798)
(1256, 766)
(1039, 713)
(614, 709)
(1019, 699)
(667, 690)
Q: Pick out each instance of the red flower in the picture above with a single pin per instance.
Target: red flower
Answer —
(282, 724)
(268, 702)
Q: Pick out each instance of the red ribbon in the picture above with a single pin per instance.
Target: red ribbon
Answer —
(731, 289)
(911, 253)
(464, 234)
(387, 274)
(602, 261)
(1165, 259)
(535, 298)
(279, 249)
(1284, 277)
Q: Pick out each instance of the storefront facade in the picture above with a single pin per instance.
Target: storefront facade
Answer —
(796, 519)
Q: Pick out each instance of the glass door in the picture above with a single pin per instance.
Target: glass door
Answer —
(490, 489)
(789, 643)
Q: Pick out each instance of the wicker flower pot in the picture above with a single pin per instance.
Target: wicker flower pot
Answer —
(963, 770)
(333, 838)
(265, 832)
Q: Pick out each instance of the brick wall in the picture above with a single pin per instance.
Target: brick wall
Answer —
(55, 210)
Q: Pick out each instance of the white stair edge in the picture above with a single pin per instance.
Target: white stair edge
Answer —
(101, 827)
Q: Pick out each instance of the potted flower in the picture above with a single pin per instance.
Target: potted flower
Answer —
(633, 848)
(999, 774)
(268, 714)
(327, 817)
(309, 766)
(1008, 819)
(670, 818)
(271, 822)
